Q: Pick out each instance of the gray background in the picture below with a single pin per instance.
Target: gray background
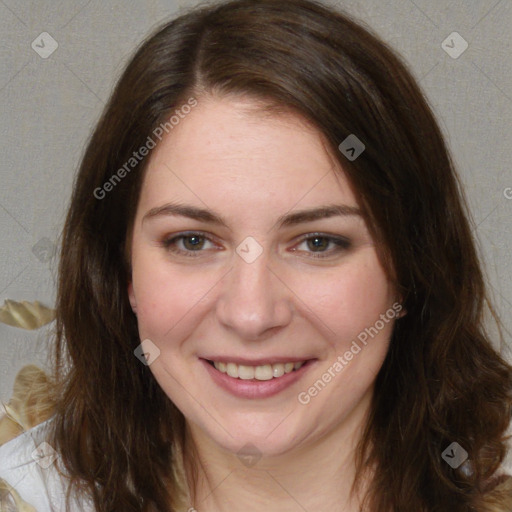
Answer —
(48, 107)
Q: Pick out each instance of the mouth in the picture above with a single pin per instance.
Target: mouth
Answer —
(256, 381)
(260, 372)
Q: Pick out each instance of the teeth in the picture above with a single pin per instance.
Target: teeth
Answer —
(231, 370)
(245, 372)
(278, 370)
(264, 372)
(222, 367)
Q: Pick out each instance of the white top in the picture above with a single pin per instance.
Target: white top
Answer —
(28, 470)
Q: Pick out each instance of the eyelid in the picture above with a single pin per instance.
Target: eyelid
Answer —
(321, 234)
(184, 234)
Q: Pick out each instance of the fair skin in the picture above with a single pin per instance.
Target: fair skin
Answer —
(250, 170)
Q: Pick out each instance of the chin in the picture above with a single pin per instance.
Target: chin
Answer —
(262, 436)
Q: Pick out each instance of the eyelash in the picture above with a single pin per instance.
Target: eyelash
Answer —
(341, 244)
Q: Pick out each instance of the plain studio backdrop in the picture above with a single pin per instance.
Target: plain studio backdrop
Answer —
(59, 60)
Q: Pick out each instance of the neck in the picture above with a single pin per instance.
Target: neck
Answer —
(317, 475)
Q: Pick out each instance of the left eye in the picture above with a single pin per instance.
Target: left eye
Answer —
(323, 245)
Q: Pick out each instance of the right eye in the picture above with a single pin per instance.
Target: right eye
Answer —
(187, 244)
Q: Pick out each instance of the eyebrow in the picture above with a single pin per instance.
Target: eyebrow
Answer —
(289, 219)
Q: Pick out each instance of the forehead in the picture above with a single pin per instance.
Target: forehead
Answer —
(232, 147)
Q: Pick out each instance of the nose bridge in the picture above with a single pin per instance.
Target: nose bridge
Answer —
(252, 300)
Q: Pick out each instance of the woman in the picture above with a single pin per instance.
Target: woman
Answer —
(269, 295)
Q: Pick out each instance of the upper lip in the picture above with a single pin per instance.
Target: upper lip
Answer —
(256, 362)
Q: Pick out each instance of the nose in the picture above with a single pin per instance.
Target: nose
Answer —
(253, 303)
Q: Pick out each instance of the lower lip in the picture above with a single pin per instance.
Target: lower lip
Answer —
(256, 388)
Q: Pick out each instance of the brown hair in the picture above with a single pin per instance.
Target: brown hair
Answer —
(442, 381)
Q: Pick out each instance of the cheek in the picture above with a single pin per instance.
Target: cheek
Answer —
(166, 295)
(348, 299)
(350, 303)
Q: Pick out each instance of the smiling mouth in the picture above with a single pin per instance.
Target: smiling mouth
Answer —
(261, 372)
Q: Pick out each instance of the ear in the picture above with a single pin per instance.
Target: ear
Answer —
(398, 307)
(131, 296)
(402, 313)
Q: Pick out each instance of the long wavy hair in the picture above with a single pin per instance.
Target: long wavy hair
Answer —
(442, 381)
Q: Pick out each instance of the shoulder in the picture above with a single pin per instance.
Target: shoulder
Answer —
(28, 472)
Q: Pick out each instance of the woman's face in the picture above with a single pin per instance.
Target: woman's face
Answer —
(248, 249)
